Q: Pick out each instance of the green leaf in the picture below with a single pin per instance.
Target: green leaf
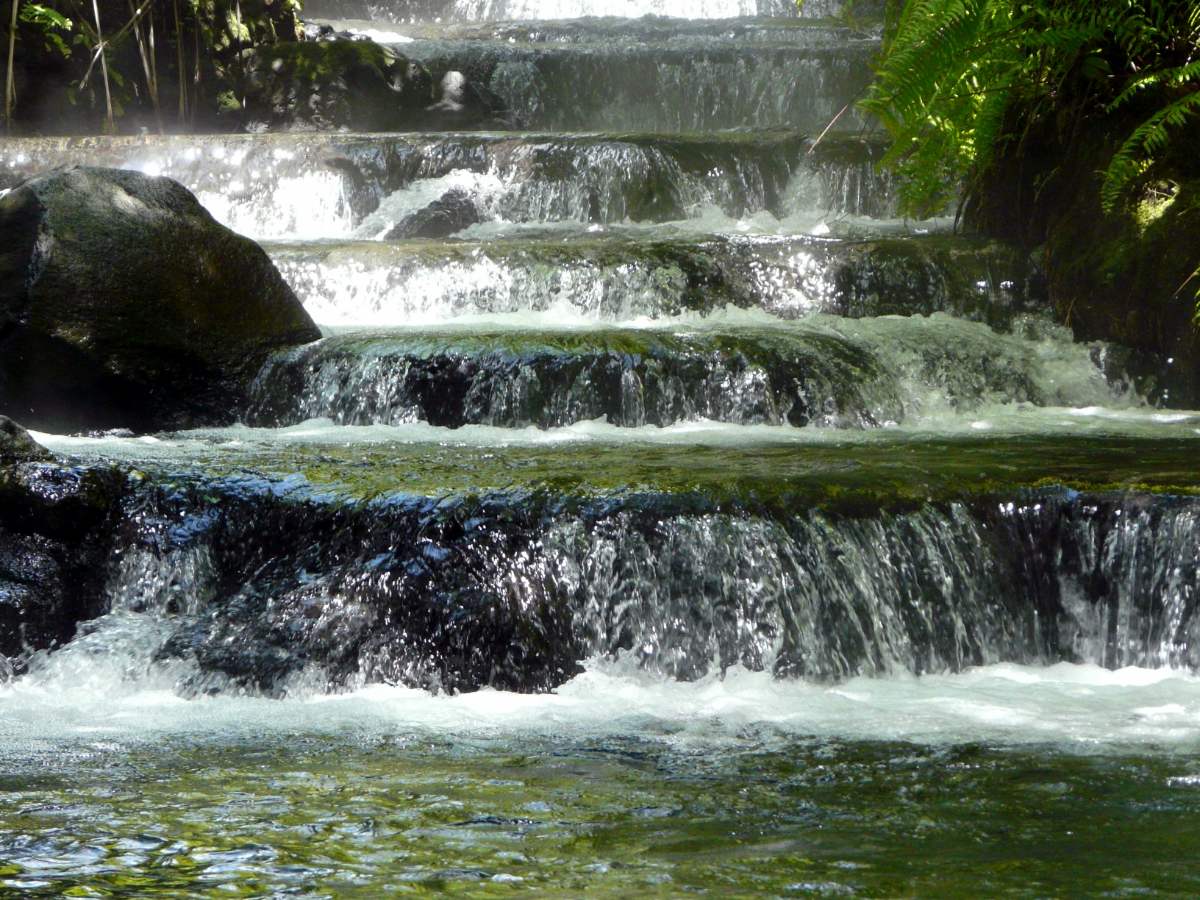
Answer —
(37, 14)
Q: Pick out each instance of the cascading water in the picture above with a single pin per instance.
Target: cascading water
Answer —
(658, 514)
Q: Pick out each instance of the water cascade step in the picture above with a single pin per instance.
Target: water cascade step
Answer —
(334, 185)
(822, 371)
(625, 276)
(651, 78)
(507, 562)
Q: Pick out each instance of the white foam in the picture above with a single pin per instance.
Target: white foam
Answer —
(998, 421)
(1072, 707)
(483, 189)
(381, 37)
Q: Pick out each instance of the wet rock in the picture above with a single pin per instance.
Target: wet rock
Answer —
(123, 303)
(322, 31)
(56, 534)
(987, 282)
(413, 592)
(449, 214)
(17, 446)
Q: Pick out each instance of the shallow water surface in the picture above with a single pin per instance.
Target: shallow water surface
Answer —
(1007, 780)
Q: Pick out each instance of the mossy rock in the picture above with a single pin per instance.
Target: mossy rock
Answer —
(1119, 279)
(123, 303)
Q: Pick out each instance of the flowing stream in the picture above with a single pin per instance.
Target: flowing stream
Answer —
(676, 520)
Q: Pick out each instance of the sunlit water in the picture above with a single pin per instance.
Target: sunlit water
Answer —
(1001, 780)
(477, 10)
(127, 772)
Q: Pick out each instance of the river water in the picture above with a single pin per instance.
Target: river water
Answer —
(684, 522)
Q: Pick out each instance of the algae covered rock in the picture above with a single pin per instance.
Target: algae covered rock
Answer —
(123, 303)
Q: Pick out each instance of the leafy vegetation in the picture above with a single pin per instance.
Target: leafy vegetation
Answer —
(963, 83)
(959, 79)
(160, 62)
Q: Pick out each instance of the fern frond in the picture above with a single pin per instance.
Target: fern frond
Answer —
(1133, 156)
(1176, 76)
(953, 68)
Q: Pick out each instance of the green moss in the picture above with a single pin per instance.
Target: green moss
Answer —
(1154, 203)
(863, 475)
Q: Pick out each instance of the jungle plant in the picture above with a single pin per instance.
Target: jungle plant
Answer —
(961, 83)
(955, 75)
(131, 52)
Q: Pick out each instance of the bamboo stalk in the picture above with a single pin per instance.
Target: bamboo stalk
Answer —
(101, 44)
(154, 72)
(241, 62)
(183, 104)
(112, 125)
(196, 55)
(151, 87)
(10, 86)
(198, 79)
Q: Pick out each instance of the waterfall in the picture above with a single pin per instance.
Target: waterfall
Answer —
(652, 373)
(658, 512)
(513, 588)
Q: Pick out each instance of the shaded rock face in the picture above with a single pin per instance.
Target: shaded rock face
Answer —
(1113, 280)
(123, 303)
(56, 533)
(463, 104)
(357, 85)
(1123, 276)
(17, 446)
(449, 214)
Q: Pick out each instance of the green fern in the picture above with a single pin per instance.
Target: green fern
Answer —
(1137, 152)
(952, 69)
(953, 74)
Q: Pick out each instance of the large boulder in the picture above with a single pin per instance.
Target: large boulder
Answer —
(123, 303)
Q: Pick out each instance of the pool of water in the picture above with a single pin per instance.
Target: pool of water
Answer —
(1005, 780)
